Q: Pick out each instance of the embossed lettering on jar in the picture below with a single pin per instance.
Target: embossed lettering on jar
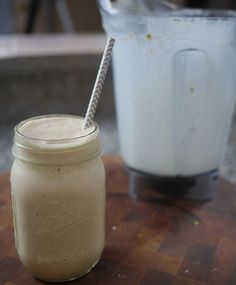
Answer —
(58, 194)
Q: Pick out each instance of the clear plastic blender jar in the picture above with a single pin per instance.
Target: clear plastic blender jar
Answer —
(174, 76)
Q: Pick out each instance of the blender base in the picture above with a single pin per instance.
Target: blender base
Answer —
(201, 187)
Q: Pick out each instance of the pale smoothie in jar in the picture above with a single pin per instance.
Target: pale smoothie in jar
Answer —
(58, 194)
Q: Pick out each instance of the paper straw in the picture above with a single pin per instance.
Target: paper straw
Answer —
(99, 83)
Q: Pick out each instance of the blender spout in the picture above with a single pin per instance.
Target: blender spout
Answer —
(105, 5)
(136, 7)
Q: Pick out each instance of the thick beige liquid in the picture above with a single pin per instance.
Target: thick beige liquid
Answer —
(58, 209)
(54, 128)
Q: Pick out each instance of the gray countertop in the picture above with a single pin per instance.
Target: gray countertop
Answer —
(34, 86)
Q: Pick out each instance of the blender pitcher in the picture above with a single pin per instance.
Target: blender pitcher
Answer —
(174, 79)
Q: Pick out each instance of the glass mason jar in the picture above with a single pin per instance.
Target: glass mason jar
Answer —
(58, 194)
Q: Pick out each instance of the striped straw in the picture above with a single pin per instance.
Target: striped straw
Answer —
(98, 83)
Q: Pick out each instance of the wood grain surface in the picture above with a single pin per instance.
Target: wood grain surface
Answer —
(161, 242)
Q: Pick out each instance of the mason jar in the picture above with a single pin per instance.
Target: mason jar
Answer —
(58, 196)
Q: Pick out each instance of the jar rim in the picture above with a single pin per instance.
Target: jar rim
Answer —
(56, 151)
(53, 141)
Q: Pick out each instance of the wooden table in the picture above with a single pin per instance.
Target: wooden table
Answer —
(166, 242)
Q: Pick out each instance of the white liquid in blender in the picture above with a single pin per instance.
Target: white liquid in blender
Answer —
(175, 94)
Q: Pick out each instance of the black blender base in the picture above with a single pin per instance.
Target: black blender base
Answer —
(199, 187)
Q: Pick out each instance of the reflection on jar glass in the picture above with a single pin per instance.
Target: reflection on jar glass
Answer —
(58, 194)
